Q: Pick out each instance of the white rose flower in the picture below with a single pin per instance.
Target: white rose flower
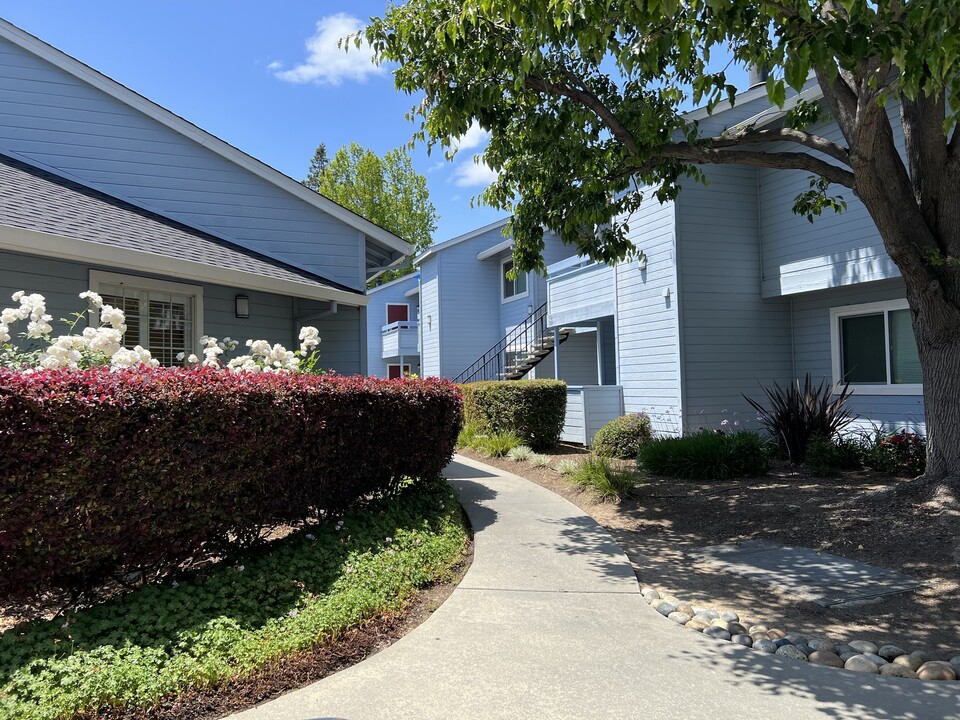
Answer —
(4, 333)
(113, 316)
(193, 359)
(9, 316)
(92, 298)
(39, 327)
(17, 295)
(259, 347)
(104, 340)
(309, 339)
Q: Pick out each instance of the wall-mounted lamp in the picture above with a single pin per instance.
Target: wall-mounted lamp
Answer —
(242, 306)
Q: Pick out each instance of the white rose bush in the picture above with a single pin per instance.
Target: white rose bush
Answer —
(102, 345)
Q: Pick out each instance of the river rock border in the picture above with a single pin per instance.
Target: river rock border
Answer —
(857, 655)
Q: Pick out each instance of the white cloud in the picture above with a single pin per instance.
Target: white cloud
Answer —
(274, 66)
(327, 64)
(474, 137)
(474, 173)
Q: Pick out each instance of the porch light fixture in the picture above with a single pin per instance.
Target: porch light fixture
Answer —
(242, 306)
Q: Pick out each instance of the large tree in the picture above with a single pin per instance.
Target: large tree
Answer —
(584, 99)
(385, 190)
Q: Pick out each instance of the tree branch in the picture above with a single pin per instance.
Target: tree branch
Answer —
(754, 137)
(701, 155)
(588, 100)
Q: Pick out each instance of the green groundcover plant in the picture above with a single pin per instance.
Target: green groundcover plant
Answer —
(208, 628)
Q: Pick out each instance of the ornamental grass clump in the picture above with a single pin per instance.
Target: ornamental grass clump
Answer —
(796, 415)
(598, 474)
(520, 453)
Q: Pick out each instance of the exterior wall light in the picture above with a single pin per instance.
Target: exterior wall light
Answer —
(242, 306)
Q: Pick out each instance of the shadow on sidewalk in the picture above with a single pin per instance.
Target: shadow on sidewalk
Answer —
(856, 695)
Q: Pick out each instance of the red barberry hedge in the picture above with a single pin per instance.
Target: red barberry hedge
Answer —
(104, 473)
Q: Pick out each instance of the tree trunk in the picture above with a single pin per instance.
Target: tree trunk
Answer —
(933, 292)
(938, 344)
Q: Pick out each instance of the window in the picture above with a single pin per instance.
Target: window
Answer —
(512, 289)
(163, 317)
(397, 313)
(874, 348)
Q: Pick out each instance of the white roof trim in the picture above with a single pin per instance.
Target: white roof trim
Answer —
(749, 95)
(31, 242)
(398, 281)
(496, 249)
(187, 129)
(433, 249)
(773, 113)
(412, 291)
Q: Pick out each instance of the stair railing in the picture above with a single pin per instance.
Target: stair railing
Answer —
(492, 365)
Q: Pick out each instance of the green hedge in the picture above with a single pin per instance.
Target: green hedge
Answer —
(534, 410)
(107, 473)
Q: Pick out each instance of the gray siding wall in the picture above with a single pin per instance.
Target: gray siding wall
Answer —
(52, 118)
(469, 303)
(430, 317)
(733, 340)
(647, 323)
(577, 357)
(582, 294)
(835, 249)
(392, 293)
(271, 316)
(811, 322)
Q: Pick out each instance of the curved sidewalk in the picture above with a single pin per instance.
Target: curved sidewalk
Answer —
(548, 623)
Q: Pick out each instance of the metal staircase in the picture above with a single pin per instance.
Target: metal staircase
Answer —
(518, 352)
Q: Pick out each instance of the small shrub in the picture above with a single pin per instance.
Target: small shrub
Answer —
(520, 453)
(567, 467)
(598, 474)
(826, 456)
(496, 444)
(797, 415)
(899, 453)
(706, 456)
(539, 461)
(623, 436)
(533, 410)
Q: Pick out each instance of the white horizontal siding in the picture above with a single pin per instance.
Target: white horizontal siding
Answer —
(647, 327)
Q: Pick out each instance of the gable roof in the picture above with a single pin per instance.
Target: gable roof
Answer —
(440, 247)
(92, 225)
(173, 121)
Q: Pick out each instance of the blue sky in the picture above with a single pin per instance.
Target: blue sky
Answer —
(264, 76)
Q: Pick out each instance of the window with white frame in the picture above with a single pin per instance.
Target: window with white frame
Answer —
(874, 348)
(164, 317)
(516, 288)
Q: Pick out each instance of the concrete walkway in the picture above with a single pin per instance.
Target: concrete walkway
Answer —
(549, 624)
